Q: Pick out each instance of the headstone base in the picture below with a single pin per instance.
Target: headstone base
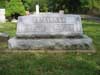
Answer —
(84, 43)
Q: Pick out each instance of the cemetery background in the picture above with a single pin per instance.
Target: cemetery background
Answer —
(51, 64)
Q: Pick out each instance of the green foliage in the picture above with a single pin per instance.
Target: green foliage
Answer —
(2, 3)
(27, 4)
(30, 5)
(56, 5)
(74, 6)
(15, 7)
(9, 28)
(69, 6)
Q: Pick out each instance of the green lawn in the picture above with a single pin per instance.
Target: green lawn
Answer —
(52, 64)
(9, 28)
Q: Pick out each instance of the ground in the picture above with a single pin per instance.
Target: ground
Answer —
(52, 64)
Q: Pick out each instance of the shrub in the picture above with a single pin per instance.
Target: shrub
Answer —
(14, 8)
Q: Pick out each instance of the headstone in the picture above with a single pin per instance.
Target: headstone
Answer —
(49, 25)
(4, 35)
(50, 31)
(2, 15)
(37, 9)
(61, 11)
(14, 20)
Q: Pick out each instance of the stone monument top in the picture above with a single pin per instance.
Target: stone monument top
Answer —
(49, 25)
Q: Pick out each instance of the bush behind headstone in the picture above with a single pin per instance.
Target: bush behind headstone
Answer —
(14, 7)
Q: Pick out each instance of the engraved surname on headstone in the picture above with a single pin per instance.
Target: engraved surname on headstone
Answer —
(47, 20)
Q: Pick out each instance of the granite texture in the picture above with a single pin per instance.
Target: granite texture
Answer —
(53, 44)
(49, 25)
(50, 31)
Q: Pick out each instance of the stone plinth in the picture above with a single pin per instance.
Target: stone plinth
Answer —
(52, 44)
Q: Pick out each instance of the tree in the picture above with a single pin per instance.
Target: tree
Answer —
(15, 8)
(27, 4)
(30, 5)
(91, 6)
(74, 6)
(56, 5)
(3, 3)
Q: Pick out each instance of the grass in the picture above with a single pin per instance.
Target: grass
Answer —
(9, 28)
(46, 64)
(52, 64)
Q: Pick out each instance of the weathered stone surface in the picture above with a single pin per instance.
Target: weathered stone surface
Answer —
(57, 44)
(49, 25)
(50, 31)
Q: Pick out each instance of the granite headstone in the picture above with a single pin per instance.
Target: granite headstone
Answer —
(50, 30)
(49, 25)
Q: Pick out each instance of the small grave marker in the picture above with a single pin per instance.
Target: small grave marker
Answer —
(2, 15)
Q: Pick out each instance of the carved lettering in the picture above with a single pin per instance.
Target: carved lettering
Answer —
(48, 20)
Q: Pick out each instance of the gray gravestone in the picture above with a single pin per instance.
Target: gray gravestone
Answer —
(50, 31)
(49, 25)
(2, 15)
